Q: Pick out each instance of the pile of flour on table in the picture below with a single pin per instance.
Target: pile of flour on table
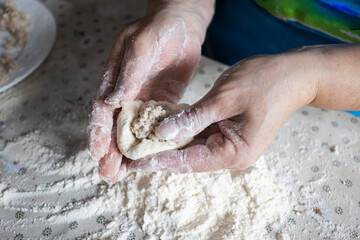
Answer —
(248, 204)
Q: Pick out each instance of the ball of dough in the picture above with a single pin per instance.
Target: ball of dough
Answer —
(136, 124)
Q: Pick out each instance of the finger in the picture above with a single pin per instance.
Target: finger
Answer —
(99, 129)
(147, 54)
(121, 172)
(113, 166)
(190, 121)
(101, 116)
(192, 159)
(133, 74)
(238, 154)
(217, 153)
(120, 175)
(232, 130)
(109, 165)
(111, 68)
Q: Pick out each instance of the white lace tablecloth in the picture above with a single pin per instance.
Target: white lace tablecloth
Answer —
(316, 154)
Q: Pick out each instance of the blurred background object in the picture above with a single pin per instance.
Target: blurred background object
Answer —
(24, 45)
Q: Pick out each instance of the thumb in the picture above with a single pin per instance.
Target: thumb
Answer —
(190, 121)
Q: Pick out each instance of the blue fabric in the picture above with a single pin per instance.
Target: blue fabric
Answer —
(241, 29)
(351, 7)
(356, 113)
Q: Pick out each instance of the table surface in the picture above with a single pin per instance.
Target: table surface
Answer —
(316, 154)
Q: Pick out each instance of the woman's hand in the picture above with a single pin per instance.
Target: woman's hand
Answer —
(250, 103)
(153, 58)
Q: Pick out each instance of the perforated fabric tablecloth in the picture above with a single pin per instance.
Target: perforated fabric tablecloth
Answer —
(316, 154)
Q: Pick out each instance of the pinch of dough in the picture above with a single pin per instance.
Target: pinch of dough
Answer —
(128, 142)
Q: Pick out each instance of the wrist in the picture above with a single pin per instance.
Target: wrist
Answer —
(339, 85)
(303, 71)
(197, 14)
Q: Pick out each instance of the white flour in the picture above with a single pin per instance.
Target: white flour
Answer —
(218, 205)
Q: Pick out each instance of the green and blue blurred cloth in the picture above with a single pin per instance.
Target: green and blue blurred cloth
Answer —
(243, 28)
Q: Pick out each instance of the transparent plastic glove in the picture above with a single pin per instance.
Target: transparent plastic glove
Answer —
(239, 117)
(153, 58)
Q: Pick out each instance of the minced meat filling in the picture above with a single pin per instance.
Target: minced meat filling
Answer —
(150, 115)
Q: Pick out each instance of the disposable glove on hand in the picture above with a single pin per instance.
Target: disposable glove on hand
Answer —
(153, 58)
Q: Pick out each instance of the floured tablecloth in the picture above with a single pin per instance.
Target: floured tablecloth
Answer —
(48, 192)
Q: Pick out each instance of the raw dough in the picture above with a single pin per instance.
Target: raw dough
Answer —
(136, 124)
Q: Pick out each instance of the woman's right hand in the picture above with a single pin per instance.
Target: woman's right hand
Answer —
(250, 102)
(152, 58)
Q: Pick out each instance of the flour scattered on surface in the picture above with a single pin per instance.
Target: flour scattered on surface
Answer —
(218, 205)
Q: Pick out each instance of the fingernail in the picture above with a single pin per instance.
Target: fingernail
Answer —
(93, 153)
(120, 175)
(168, 131)
(108, 177)
(103, 178)
(94, 148)
(109, 165)
(113, 101)
(92, 157)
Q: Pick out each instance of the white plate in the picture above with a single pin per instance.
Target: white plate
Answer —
(41, 34)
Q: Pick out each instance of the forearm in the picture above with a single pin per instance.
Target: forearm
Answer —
(200, 12)
(339, 83)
